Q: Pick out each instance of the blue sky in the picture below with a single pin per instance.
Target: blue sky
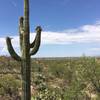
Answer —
(70, 27)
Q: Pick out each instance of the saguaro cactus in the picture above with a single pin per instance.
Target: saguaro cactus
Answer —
(27, 50)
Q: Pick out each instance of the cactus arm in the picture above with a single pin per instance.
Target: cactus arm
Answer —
(33, 43)
(21, 31)
(37, 41)
(21, 24)
(38, 30)
(11, 50)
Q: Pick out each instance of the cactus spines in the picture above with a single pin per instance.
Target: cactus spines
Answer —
(27, 49)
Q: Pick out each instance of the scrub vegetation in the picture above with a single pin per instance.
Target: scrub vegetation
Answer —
(52, 79)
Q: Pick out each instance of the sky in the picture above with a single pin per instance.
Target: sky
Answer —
(70, 27)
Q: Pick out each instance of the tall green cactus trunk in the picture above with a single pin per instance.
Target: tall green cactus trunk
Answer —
(27, 50)
(26, 95)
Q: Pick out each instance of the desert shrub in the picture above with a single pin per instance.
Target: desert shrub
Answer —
(9, 84)
(66, 79)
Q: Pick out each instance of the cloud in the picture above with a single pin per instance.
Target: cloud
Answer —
(83, 34)
(96, 49)
(93, 51)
